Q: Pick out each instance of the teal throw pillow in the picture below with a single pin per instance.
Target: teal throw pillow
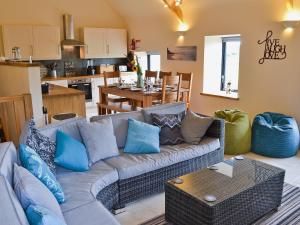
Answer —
(142, 138)
(38, 215)
(70, 153)
(35, 165)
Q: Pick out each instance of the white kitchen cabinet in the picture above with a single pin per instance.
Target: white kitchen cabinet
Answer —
(17, 36)
(95, 41)
(103, 43)
(95, 90)
(46, 42)
(40, 42)
(63, 83)
(116, 43)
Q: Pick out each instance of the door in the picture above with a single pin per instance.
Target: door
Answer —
(94, 39)
(17, 36)
(116, 43)
(46, 43)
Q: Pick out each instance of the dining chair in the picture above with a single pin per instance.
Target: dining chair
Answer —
(171, 88)
(186, 87)
(114, 103)
(162, 74)
(151, 74)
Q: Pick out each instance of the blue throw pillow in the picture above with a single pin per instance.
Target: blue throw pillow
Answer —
(142, 138)
(35, 165)
(70, 153)
(38, 215)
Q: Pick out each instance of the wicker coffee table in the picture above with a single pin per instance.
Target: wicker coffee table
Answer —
(244, 191)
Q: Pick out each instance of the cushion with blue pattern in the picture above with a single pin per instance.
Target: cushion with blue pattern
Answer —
(38, 215)
(34, 164)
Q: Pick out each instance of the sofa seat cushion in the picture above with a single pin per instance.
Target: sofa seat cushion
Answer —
(131, 165)
(8, 156)
(82, 187)
(93, 213)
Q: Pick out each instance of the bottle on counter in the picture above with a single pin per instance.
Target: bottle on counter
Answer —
(90, 67)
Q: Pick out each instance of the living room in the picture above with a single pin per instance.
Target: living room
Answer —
(136, 160)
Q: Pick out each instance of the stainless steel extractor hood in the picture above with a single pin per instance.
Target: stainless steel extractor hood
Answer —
(69, 38)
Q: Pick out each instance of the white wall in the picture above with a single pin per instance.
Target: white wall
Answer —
(273, 86)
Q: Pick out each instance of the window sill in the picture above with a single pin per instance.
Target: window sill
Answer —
(221, 95)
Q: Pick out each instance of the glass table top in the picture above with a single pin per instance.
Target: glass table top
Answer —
(226, 179)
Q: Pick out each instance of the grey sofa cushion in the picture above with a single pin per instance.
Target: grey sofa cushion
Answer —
(173, 108)
(194, 127)
(8, 156)
(11, 211)
(131, 165)
(120, 124)
(69, 127)
(81, 188)
(93, 213)
(99, 139)
(30, 190)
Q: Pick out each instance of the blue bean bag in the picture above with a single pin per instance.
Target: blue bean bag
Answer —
(275, 135)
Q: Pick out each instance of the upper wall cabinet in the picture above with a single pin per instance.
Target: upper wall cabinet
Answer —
(46, 43)
(40, 42)
(17, 36)
(104, 43)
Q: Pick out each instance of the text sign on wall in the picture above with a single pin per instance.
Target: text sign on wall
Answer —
(273, 49)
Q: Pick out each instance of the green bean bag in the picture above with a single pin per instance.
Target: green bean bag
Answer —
(237, 131)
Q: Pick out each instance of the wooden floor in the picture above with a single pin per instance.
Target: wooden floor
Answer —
(146, 209)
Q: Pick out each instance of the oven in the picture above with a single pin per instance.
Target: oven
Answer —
(84, 85)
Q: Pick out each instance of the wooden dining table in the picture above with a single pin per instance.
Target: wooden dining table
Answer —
(140, 98)
(144, 98)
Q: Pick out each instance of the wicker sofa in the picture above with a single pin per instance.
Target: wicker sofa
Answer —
(114, 182)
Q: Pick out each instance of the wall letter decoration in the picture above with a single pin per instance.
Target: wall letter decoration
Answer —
(273, 49)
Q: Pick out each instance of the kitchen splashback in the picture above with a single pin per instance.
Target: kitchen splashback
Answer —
(80, 65)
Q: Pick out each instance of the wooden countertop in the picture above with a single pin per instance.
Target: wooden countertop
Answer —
(56, 90)
(72, 77)
(20, 64)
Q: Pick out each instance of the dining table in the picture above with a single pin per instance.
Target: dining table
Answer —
(141, 97)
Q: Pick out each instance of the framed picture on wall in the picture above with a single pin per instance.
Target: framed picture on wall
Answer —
(184, 53)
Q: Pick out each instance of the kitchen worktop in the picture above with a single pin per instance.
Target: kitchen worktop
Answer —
(72, 77)
(56, 90)
(20, 64)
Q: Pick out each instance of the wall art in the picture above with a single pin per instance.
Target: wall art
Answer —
(187, 53)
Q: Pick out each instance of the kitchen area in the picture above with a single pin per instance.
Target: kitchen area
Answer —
(70, 70)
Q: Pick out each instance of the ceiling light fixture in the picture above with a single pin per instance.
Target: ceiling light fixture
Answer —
(292, 17)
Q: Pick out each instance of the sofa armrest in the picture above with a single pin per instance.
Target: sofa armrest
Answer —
(217, 130)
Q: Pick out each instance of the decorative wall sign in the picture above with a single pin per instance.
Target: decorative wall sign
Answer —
(187, 53)
(273, 49)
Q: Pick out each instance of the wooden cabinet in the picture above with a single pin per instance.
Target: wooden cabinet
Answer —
(40, 42)
(17, 36)
(103, 43)
(46, 42)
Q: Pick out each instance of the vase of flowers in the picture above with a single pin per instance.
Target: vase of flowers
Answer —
(134, 65)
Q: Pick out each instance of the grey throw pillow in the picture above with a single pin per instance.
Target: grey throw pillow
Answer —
(31, 191)
(170, 128)
(99, 139)
(41, 144)
(194, 127)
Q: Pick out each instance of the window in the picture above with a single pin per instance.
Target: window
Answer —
(154, 61)
(221, 65)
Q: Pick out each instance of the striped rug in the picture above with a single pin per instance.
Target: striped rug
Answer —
(288, 213)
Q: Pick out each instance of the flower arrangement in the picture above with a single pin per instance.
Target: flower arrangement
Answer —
(134, 65)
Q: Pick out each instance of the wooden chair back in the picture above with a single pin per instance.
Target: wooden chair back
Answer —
(14, 112)
(151, 74)
(162, 74)
(187, 82)
(108, 76)
(169, 96)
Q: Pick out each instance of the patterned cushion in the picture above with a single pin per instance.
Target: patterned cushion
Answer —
(170, 125)
(43, 146)
(38, 215)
